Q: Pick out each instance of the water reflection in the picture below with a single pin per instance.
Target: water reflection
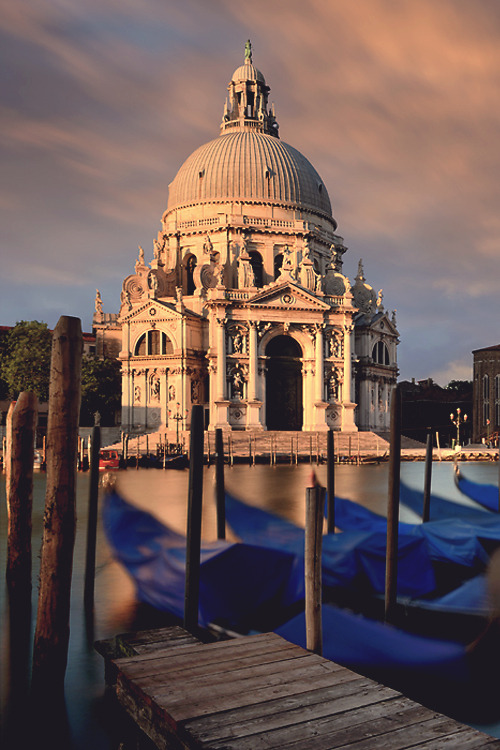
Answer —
(280, 489)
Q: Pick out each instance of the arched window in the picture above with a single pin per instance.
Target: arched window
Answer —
(380, 354)
(153, 344)
(190, 267)
(278, 262)
(257, 268)
(486, 387)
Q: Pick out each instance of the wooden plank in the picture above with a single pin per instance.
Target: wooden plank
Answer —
(179, 688)
(346, 705)
(432, 730)
(209, 656)
(245, 693)
(174, 668)
(346, 727)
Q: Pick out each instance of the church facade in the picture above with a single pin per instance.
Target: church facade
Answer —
(244, 306)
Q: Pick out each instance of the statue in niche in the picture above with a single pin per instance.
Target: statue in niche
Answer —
(333, 385)
(195, 391)
(237, 343)
(237, 385)
(98, 302)
(171, 393)
(137, 393)
(335, 346)
(155, 389)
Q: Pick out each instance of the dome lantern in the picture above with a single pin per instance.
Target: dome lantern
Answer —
(246, 107)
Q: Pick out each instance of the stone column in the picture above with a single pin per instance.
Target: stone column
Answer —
(221, 360)
(221, 402)
(319, 384)
(252, 363)
(348, 407)
(253, 404)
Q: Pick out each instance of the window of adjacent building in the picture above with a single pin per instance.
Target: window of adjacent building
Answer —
(497, 386)
(380, 353)
(153, 343)
(486, 387)
(257, 267)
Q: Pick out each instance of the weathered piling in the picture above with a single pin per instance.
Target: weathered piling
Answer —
(52, 626)
(21, 426)
(88, 590)
(219, 484)
(19, 454)
(195, 500)
(315, 498)
(391, 570)
(427, 478)
(330, 481)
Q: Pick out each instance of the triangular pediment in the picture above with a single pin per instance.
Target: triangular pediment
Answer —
(382, 323)
(155, 309)
(287, 295)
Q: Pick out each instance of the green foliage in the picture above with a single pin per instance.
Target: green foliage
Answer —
(101, 390)
(25, 359)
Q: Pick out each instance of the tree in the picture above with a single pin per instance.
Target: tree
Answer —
(101, 390)
(25, 359)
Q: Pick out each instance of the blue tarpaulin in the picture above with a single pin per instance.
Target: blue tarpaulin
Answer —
(356, 642)
(355, 556)
(239, 583)
(484, 494)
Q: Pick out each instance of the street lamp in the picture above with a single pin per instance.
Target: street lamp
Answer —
(178, 417)
(457, 422)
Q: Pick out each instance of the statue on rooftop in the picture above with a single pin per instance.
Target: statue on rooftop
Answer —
(248, 51)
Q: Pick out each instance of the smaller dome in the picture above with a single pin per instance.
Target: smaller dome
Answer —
(248, 72)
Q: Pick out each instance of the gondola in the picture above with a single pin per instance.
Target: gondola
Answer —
(454, 556)
(241, 586)
(486, 495)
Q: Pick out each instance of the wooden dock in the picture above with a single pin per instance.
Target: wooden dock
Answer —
(261, 692)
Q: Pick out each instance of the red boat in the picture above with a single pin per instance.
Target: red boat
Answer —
(109, 460)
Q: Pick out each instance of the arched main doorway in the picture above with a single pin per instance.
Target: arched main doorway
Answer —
(284, 384)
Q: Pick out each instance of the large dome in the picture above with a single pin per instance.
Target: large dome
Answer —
(251, 167)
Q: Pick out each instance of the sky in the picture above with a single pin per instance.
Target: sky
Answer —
(395, 103)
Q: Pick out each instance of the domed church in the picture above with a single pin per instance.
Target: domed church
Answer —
(244, 307)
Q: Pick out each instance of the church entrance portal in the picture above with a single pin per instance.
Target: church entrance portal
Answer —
(284, 384)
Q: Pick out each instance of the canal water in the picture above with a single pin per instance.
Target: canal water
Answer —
(281, 489)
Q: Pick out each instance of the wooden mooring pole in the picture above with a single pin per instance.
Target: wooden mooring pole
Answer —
(330, 481)
(220, 489)
(195, 501)
(315, 499)
(18, 465)
(88, 592)
(51, 640)
(391, 568)
(426, 510)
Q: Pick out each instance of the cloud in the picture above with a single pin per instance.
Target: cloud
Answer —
(455, 370)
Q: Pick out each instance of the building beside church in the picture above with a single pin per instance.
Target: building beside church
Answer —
(244, 306)
(486, 394)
